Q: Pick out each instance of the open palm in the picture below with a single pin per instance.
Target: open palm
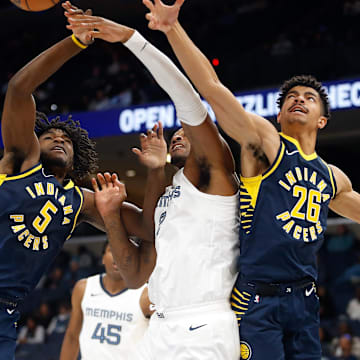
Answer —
(162, 17)
(153, 148)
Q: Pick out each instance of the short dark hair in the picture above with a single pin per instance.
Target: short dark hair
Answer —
(309, 81)
(85, 156)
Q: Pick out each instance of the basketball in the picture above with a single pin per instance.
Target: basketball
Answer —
(35, 5)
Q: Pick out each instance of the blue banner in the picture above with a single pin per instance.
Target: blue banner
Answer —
(342, 94)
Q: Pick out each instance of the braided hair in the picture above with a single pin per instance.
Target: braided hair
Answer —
(85, 156)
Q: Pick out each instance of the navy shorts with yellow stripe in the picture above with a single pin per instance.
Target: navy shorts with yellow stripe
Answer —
(279, 326)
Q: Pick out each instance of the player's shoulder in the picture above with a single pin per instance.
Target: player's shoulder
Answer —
(80, 286)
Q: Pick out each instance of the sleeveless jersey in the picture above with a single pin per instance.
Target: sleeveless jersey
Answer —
(112, 324)
(196, 240)
(284, 215)
(37, 214)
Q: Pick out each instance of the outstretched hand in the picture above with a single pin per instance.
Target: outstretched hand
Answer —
(162, 17)
(96, 26)
(110, 193)
(153, 148)
(82, 34)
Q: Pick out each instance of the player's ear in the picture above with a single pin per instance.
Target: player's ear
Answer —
(322, 121)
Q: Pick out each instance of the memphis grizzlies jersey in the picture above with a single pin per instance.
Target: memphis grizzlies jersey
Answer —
(112, 324)
(37, 214)
(284, 215)
(197, 245)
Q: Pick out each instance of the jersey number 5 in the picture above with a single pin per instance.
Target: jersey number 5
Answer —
(40, 224)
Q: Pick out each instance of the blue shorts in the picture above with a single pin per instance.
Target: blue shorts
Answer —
(8, 331)
(279, 326)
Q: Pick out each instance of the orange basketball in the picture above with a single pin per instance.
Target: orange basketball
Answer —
(34, 5)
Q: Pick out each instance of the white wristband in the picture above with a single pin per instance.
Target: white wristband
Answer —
(189, 107)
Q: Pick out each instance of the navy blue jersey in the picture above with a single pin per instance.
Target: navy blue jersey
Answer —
(37, 214)
(283, 216)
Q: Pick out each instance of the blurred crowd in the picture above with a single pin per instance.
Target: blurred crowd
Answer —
(258, 43)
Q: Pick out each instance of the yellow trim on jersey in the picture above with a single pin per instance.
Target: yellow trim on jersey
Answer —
(2, 178)
(332, 180)
(252, 184)
(277, 162)
(69, 185)
(78, 212)
(296, 143)
(25, 174)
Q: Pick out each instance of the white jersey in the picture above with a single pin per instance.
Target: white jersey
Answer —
(197, 245)
(112, 324)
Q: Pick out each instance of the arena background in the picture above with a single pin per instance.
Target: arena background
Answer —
(254, 45)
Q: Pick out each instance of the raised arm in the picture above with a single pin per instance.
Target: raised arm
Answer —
(347, 201)
(135, 262)
(199, 128)
(21, 145)
(255, 134)
(70, 347)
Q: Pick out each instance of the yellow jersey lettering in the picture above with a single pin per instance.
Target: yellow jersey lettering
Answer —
(39, 189)
(68, 210)
(305, 234)
(285, 186)
(17, 228)
(287, 227)
(23, 235)
(321, 185)
(306, 174)
(313, 233)
(313, 178)
(298, 173)
(66, 221)
(290, 178)
(36, 243)
(30, 192)
(319, 227)
(283, 216)
(62, 200)
(297, 232)
(29, 240)
(45, 243)
(17, 218)
(50, 189)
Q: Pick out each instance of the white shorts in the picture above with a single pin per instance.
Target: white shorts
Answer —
(202, 332)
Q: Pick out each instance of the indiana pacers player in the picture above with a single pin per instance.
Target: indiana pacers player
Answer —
(196, 224)
(39, 203)
(107, 319)
(286, 190)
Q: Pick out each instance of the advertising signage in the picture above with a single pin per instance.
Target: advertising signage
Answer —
(343, 95)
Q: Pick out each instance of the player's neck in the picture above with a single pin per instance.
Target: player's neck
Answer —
(113, 286)
(59, 173)
(306, 140)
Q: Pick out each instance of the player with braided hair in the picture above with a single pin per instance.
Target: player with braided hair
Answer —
(40, 201)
